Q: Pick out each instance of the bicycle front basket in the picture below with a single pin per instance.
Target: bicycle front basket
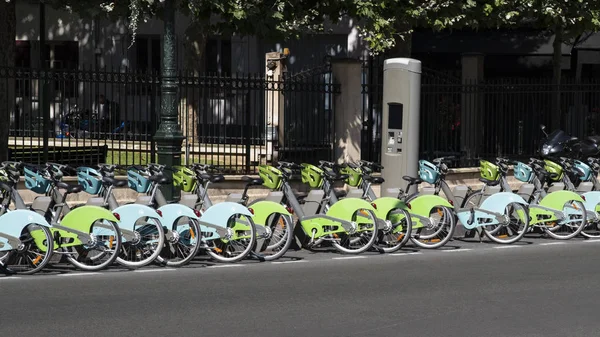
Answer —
(523, 172)
(90, 179)
(184, 178)
(4, 176)
(555, 170)
(312, 175)
(354, 176)
(272, 177)
(137, 181)
(585, 169)
(36, 182)
(428, 172)
(488, 170)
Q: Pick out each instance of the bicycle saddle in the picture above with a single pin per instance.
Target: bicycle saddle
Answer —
(412, 180)
(115, 182)
(160, 179)
(335, 176)
(213, 178)
(69, 188)
(252, 181)
(489, 182)
(374, 180)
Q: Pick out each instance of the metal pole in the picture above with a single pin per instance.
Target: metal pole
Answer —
(43, 84)
(169, 136)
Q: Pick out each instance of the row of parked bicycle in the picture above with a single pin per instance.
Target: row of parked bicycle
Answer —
(558, 197)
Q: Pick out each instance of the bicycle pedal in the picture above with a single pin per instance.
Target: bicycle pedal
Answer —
(378, 249)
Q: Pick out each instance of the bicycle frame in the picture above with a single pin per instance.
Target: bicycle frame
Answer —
(213, 221)
(129, 213)
(543, 207)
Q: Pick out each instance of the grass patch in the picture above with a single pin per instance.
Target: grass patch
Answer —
(124, 157)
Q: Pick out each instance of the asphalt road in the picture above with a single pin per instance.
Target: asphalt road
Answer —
(536, 288)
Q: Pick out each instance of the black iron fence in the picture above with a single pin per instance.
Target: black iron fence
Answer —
(112, 116)
(309, 115)
(495, 117)
(502, 116)
(372, 92)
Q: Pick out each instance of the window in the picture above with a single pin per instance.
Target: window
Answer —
(146, 54)
(218, 56)
(62, 55)
(23, 60)
(23, 54)
(145, 57)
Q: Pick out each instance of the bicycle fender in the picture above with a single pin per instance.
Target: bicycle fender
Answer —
(497, 202)
(82, 218)
(131, 213)
(423, 204)
(592, 201)
(384, 205)
(14, 223)
(219, 214)
(345, 208)
(264, 209)
(172, 212)
(494, 207)
(557, 199)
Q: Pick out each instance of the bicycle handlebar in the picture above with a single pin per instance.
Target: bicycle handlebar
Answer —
(442, 160)
(371, 164)
(289, 165)
(11, 164)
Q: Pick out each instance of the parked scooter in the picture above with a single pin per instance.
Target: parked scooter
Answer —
(559, 144)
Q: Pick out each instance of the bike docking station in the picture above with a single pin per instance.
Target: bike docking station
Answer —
(434, 217)
(400, 122)
(400, 157)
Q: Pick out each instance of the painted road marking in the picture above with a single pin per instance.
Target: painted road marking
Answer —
(404, 254)
(508, 247)
(349, 258)
(457, 250)
(78, 274)
(551, 243)
(227, 266)
(153, 270)
(285, 262)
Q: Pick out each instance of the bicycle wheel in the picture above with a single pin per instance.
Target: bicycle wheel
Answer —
(515, 227)
(277, 238)
(182, 243)
(33, 253)
(571, 225)
(102, 250)
(438, 231)
(396, 231)
(473, 200)
(237, 243)
(592, 228)
(363, 235)
(145, 245)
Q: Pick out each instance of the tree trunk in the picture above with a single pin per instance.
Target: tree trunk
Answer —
(195, 43)
(556, 120)
(8, 32)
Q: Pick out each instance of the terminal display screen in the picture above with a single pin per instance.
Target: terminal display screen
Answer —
(395, 116)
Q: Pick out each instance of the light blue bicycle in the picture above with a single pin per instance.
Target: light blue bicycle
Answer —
(26, 243)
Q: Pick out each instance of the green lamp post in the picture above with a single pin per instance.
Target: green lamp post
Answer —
(169, 137)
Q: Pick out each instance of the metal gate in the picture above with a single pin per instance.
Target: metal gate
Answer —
(309, 128)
